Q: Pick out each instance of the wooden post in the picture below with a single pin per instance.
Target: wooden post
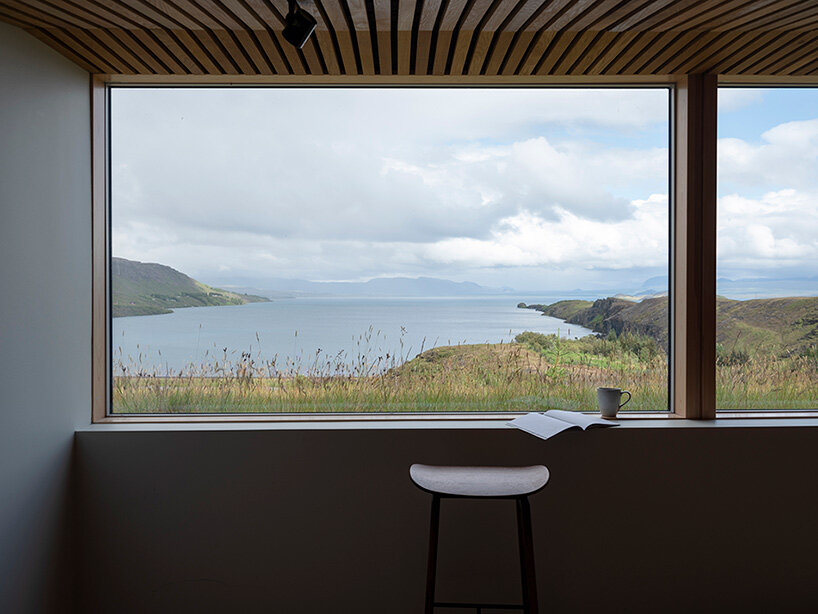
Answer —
(694, 248)
(99, 252)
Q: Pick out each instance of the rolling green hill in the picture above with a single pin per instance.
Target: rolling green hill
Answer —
(140, 288)
(769, 325)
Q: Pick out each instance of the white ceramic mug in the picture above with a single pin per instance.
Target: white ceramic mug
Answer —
(609, 401)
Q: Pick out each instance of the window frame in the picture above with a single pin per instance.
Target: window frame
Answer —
(692, 200)
(759, 82)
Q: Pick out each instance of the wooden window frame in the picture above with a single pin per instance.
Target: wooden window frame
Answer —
(692, 228)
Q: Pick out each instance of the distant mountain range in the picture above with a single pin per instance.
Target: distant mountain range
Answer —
(140, 288)
(378, 287)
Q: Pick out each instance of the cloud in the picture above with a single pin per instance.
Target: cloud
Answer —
(778, 230)
(734, 98)
(284, 183)
(786, 157)
(527, 239)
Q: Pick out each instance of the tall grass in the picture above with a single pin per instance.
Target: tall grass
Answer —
(536, 372)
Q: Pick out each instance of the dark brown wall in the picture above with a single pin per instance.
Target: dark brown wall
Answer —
(634, 520)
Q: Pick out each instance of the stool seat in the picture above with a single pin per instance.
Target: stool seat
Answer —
(479, 481)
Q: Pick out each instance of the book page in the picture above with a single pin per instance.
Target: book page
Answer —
(583, 421)
(541, 425)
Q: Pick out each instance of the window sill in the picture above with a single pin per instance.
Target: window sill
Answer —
(662, 421)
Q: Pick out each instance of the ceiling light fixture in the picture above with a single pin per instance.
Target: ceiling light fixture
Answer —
(298, 25)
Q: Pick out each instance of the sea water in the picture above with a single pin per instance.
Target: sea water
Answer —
(303, 332)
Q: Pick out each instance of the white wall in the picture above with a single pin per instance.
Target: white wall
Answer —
(45, 338)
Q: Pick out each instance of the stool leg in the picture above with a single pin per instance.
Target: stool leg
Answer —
(526, 544)
(431, 565)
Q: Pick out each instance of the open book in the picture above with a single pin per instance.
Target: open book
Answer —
(547, 424)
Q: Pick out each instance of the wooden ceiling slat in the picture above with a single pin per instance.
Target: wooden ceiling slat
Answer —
(324, 42)
(26, 19)
(111, 38)
(576, 13)
(174, 27)
(343, 32)
(123, 14)
(583, 46)
(600, 46)
(314, 58)
(408, 15)
(150, 52)
(468, 30)
(383, 28)
(642, 40)
(68, 38)
(197, 50)
(537, 52)
(208, 40)
(805, 68)
(520, 15)
(182, 55)
(518, 45)
(677, 13)
(753, 10)
(798, 64)
(438, 37)
(760, 49)
(235, 52)
(48, 37)
(9, 17)
(294, 58)
(783, 18)
(546, 14)
(250, 43)
(495, 38)
(363, 35)
(158, 13)
(328, 41)
(598, 11)
(682, 41)
(626, 10)
(693, 17)
(562, 45)
(479, 39)
(447, 30)
(651, 11)
(89, 38)
(153, 45)
(649, 53)
(107, 16)
(620, 41)
(60, 17)
(805, 22)
(784, 56)
(712, 49)
(273, 52)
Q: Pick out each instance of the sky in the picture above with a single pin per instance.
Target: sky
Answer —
(534, 189)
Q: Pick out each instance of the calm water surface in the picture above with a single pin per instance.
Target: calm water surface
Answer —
(344, 329)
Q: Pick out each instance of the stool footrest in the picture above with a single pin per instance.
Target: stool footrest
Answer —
(493, 606)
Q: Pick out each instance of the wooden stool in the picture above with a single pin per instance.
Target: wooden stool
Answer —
(483, 483)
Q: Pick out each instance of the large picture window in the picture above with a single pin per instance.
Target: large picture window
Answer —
(767, 309)
(326, 250)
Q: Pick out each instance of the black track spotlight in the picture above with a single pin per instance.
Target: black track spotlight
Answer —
(298, 25)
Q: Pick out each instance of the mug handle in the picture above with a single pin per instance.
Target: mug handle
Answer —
(621, 405)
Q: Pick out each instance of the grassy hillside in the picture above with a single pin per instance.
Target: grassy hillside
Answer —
(140, 288)
(771, 325)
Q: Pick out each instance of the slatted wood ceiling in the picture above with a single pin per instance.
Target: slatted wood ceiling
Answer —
(430, 37)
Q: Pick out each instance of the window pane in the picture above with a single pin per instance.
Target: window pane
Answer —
(400, 250)
(767, 310)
